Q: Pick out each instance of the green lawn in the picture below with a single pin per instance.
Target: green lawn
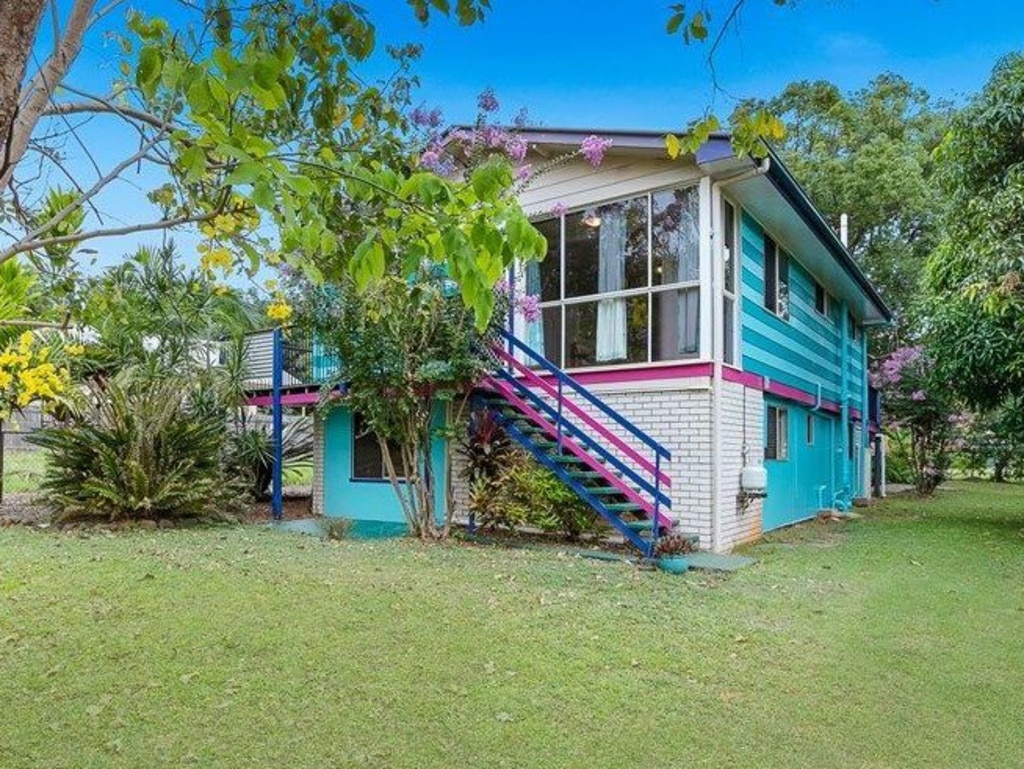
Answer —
(23, 470)
(893, 641)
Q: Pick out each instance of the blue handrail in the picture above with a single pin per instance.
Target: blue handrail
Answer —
(564, 426)
(579, 389)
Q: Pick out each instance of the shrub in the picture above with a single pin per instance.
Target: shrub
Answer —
(250, 452)
(551, 505)
(138, 451)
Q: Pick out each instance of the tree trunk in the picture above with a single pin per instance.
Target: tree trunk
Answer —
(17, 35)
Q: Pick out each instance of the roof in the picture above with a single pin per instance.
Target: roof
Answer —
(718, 151)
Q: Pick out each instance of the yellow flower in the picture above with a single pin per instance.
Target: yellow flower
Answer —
(225, 224)
(5, 378)
(74, 350)
(221, 290)
(216, 258)
(25, 342)
(279, 310)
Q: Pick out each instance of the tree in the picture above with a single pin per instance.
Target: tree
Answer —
(921, 404)
(274, 144)
(976, 273)
(405, 347)
(868, 154)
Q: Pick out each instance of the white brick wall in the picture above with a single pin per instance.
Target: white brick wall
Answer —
(680, 419)
(742, 425)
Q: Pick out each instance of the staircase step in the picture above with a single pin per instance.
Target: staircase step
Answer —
(624, 507)
(603, 491)
(591, 474)
(639, 526)
(567, 459)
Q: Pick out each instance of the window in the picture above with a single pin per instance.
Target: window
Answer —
(620, 282)
(821, 300)
(776, 445)
(730, 253)
(367, 459)
(810, 429)
(854, 327)
(776, 279)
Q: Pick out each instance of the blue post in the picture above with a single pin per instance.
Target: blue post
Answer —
(511, 308)
(277, 502)
(655, 524)
(559, 423)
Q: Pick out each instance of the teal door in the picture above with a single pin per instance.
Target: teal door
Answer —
(799, 460)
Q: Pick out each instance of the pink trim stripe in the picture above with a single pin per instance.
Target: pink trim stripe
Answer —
(290, 399)
(600, 429)
(639, 374)
(630, 494)
(745, 378)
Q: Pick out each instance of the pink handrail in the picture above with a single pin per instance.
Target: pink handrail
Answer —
(631, 494)
(600, 429)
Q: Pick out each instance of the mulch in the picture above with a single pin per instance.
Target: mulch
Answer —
(28, 509)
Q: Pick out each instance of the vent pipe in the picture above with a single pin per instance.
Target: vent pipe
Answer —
(844, 230)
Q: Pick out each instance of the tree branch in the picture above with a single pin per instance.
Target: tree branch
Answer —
(37, 93)
(164, 224)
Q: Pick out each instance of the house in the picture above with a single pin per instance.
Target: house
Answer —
(700, 359)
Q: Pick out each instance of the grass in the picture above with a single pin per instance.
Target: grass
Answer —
(23, 470)
(892, 641)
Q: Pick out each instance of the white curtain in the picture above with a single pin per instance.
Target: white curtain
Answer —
(611, 313)
(688, 324)
(534, 328)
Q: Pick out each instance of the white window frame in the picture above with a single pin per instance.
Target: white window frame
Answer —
(737, 237)
(648, 291)
(781, 414)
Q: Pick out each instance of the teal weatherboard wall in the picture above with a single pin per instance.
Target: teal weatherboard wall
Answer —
(363, 500)
(806, 352)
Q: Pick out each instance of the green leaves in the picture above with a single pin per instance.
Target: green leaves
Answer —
(147, 73)
(491, 179)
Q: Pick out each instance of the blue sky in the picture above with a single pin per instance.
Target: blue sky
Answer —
(605, 64)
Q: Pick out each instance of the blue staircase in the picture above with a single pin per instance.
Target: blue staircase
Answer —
(569, 430)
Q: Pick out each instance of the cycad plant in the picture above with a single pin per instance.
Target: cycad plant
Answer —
(140, 450)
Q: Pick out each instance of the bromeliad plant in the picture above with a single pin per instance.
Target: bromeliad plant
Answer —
(139, 450)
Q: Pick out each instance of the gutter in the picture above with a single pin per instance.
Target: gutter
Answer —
(762, 168)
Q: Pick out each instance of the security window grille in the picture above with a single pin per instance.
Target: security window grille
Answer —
(777, 434)
(367, 458)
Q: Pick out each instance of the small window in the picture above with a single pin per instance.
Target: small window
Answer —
(810, 429)
(854, 327)
(776, 279)
(776, 444)
(821, 302)
(367, 458)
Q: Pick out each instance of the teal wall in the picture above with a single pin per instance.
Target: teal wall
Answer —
(799, 486)
(366, 500)
(804, 350)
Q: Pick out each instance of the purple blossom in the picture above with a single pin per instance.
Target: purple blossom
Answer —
(516, 148)
(593, 149)
(492, 136)
(431, 159)
(529, 306)
(503, 286)
(523, 172)
(521, 118)
(421, 116)
(487, 101)
(918, 395)
(558, 208)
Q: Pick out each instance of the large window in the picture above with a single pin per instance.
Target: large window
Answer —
(367, 458)
(620, 283)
